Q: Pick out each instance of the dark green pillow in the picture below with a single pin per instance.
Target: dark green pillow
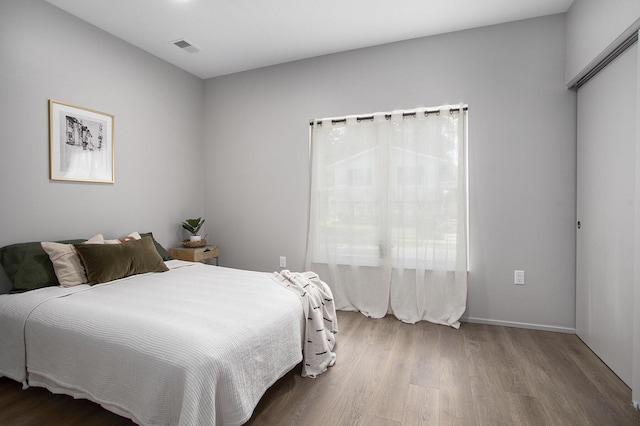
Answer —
(161, 251)
(108, 262)
(28, 266)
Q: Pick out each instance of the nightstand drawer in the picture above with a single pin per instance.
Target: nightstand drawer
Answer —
(194, 254)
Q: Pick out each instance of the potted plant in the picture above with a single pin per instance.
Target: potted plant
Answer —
(193, 226)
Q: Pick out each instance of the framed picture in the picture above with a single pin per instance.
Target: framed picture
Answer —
(80, 144)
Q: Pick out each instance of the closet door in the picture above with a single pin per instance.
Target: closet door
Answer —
(605, 210)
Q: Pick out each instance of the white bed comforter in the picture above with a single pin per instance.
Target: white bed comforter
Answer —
(197, 345)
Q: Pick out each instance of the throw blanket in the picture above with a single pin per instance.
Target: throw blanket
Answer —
(321, 323)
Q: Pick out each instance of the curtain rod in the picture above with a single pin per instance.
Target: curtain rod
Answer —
(388, 115)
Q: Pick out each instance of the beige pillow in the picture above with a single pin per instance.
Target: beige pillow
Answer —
(66, 264)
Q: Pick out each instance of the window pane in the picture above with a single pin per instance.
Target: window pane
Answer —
(387, 189)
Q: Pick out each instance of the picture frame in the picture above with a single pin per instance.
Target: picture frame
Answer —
(81, 146)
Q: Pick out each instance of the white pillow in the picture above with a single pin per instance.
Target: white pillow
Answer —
(66, 263)
(131, 236)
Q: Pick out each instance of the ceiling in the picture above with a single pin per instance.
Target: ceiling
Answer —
(238, 35)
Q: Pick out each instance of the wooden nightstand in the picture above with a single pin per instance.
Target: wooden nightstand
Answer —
(195, 254)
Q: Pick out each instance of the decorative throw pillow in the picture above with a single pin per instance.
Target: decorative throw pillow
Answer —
(161, 250)
(108, 262)
(28, 266)
(65, 261)
(136, 236)
(131, 237)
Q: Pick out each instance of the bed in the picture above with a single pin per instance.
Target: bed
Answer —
(194, 344)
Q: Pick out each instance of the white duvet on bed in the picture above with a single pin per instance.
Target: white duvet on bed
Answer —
(197, 345)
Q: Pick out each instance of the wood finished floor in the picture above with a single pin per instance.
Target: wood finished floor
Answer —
(391, 373)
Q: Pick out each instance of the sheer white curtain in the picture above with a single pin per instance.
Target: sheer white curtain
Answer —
(388, 213)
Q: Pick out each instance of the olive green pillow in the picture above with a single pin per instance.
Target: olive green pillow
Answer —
(28, 266)
(161, 250)
(108, 262)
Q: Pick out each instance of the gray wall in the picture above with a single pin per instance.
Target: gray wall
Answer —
(592, 25)
(45, 54)
(521, 149)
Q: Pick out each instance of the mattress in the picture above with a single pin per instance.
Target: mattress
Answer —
(195, 345)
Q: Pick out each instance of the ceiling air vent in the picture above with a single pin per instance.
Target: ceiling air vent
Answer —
(185, 45)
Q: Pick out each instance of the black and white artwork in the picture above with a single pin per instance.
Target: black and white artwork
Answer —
(81, 144)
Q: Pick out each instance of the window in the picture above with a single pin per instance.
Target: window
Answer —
(389, 187)
(388, 213)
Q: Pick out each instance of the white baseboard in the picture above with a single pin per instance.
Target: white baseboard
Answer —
(542, 327)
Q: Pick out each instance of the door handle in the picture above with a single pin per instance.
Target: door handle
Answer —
(579, 225)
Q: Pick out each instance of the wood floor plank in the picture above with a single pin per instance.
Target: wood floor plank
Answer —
(286, 401)
(527, 410)
(311, 397)
(395, 374)
(518, 374)
(389, 400)
(370, 420)
(546, 371)
(360, 364)
(422, 406)
(456, 400)
(583, 397)
(426, 358)
(37, 406)
(367, 377)
(486, 391)
(599, 375)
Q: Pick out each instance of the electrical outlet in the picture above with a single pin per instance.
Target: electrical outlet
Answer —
(283, 261)
(518, 277)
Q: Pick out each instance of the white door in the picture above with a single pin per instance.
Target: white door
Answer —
(605, 213)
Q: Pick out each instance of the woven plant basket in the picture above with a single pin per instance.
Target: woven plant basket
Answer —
(194, 244)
